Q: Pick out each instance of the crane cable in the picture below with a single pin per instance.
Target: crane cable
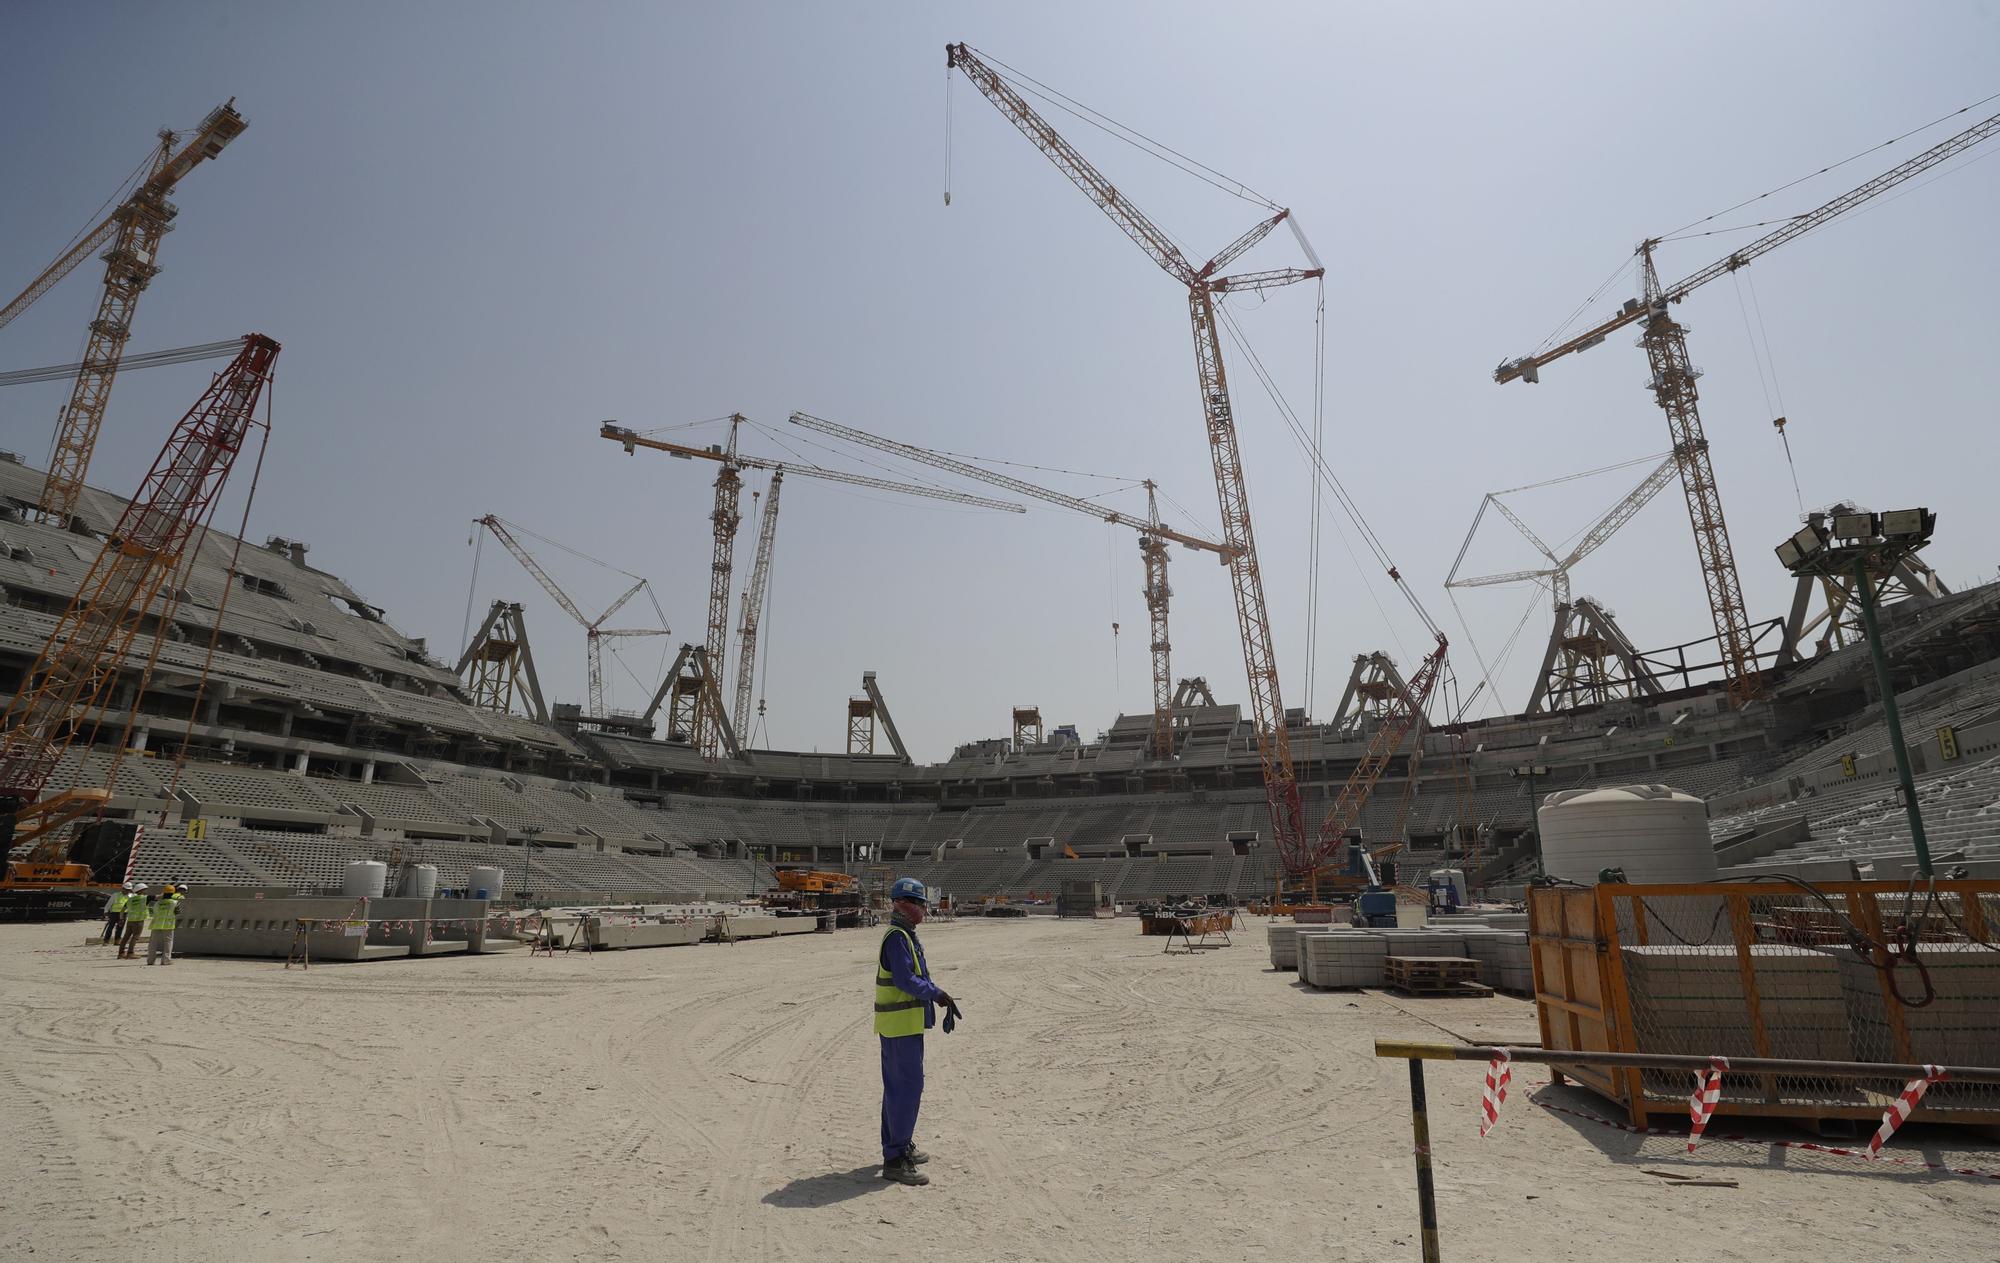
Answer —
(1129, 135)
(1676, 233)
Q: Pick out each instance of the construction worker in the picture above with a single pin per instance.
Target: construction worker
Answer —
(906, 1004)
(160, 926)
(135, 921)
(114, 912)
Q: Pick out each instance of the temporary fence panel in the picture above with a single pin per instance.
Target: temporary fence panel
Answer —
(1846, 971)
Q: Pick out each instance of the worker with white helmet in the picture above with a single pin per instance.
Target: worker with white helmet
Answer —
(135, 921)
(114, 913)
(906, 1004)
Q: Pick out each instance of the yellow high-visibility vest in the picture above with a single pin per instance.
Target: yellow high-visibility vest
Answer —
(897, 1012)
(166, 909)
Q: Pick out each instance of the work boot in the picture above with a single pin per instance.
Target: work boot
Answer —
(916, 1155)
(904, 1171)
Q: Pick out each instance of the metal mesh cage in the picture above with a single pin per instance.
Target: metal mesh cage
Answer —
(1853, 972)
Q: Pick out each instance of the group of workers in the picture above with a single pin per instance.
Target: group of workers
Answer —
(131, 911)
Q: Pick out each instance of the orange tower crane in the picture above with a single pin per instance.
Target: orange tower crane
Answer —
(1203, 283)
(134, 229)
(1153, 540)
(134, 582)
(706, 732)
(1672, 383)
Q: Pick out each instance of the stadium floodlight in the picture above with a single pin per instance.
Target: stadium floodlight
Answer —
(1856, 526)
(1909, 524)
(1865, 549)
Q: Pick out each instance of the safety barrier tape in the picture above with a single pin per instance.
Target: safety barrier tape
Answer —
(1707, 1091)
(1498, 1072)
(1899, 1109)
(1805, 1145)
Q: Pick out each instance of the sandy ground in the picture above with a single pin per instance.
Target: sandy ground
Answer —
(1102, 1101)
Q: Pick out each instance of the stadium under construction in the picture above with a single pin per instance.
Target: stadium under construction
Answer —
(1764, 854)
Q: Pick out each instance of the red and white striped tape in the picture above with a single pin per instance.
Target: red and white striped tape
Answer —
(1899, 1109)
(1707, 1091)
(1498, 1072)
(1807, 1145)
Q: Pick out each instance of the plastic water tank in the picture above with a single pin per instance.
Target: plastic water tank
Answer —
(485, 881)
(1654, 833)
(420, 881)
(365, 879)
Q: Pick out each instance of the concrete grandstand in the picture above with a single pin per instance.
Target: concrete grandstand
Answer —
(324, 735)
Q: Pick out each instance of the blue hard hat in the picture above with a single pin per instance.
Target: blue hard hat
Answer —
(909, 888)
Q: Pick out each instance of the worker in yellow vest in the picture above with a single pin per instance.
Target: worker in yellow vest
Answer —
(135, 922)
(906, 1004)
(160, 927)
(114, 913)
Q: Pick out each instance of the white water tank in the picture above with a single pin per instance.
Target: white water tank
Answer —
(1654, 833)
(485, 881)
(365, 879)
(420, 881)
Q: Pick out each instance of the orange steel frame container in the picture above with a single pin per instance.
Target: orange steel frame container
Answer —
(1583, 1002)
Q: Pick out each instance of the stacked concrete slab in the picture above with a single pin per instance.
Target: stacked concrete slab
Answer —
(1691, 1000)
(1342, 959)
(1959, 1027)
(1284, 949)
(1503, 956)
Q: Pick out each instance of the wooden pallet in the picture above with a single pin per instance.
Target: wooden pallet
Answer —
(1434, 975)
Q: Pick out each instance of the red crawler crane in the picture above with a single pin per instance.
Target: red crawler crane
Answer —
(133, 584)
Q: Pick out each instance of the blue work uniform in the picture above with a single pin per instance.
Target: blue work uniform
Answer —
(902, 956)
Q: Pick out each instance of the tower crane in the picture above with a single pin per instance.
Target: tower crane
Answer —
(135, 581)
(1203, 283)
(1153, 540)
(594, 630)
(134, 229)
(1581, 677)
(728, 488)
(1672, 382)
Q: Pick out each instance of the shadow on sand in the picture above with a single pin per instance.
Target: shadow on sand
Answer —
(825, 1190)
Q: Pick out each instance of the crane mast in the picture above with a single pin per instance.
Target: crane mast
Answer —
(1232, 495)
(725, 517)
(753, 604)
(153, 543)
(1672, 383)
(134, 229)
(1153, 552)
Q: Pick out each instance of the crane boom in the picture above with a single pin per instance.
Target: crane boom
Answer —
(62, 267)
(1253, 620)
(631, 439)
(145, 556)
(709, 722)
(534, 568)
(1117, 207)
(1152, 548)
(979, 473)
(594, 631)
(752, 609)
(129, 266)
(1798, 226)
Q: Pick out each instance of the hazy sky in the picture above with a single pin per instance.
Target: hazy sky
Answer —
(480, 229)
